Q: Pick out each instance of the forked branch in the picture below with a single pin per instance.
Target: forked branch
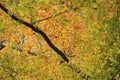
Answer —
(59, 52)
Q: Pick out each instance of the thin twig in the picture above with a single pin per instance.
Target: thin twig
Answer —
(8, 72)
(49, 17)
(113, 77)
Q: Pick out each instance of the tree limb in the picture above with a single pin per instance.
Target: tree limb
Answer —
(2, 45)
(6, 70)
(59, 52)
(113, 77)
(50, 17)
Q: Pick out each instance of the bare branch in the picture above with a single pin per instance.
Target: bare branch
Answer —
(2, 45)
(35, 29)
(6, 70)
(113, 77)
(50, 17)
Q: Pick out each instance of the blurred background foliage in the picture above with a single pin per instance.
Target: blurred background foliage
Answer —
(88, 33)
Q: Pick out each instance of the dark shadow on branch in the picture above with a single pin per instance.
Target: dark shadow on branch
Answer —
(59, 52)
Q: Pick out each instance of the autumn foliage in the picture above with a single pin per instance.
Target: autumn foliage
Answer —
(86, 31)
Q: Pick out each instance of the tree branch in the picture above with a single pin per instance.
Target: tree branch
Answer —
(50, 17)
(113, 77)
(2, 45)
(59, 52)
(6, 70)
